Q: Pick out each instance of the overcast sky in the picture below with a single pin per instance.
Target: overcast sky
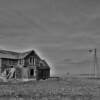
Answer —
(61, 30)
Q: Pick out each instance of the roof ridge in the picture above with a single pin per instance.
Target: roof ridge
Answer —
(15, 51)
(8, 51)
(14, 54)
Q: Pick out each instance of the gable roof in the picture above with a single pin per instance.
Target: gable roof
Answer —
(24, 54)
(14, 55)
(43, 65)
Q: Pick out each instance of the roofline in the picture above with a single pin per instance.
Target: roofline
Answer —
(17, 55)
(8, 58)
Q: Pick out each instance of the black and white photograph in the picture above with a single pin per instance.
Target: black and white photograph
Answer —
(49, 49)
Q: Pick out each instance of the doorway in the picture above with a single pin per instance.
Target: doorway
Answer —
(31, 72)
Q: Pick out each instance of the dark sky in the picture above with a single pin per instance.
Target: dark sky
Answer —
(61, 30)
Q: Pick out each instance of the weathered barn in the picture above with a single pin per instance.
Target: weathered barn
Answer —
(26, 65)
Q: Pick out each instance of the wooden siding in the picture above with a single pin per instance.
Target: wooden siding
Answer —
(34, 60)
(43, 74)
(18, 73)
(25, 65)
(6, 63)
(25, 73)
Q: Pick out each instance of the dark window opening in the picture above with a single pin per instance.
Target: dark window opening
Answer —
(31, 60)
(11, 66)
(24, 66)
(31, 72)
(34, 61)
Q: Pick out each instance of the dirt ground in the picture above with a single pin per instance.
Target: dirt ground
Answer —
(51, 89)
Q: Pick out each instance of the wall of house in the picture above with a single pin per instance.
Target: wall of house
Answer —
(18, 73)
(21, 62)
(32, 60)
(9, 62)
(6, 63)
(31, 72)
(28, 67)
(24, 73)
(43, 73)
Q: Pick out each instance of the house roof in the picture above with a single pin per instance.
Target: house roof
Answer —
(43, 65)
(24, 54)
(14, 55)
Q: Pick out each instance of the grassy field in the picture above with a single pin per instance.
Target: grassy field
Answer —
(52, 89)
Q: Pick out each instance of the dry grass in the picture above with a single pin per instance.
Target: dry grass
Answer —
(52, 89)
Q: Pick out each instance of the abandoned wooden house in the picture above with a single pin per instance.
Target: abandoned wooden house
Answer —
(26, 65)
